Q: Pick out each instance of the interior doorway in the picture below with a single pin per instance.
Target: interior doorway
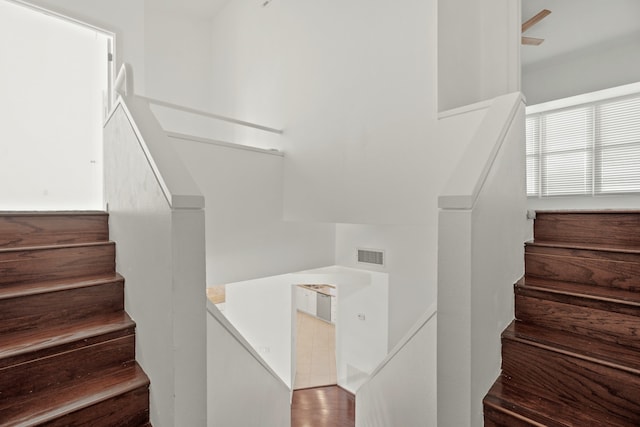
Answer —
(315, 343)
(55, 81)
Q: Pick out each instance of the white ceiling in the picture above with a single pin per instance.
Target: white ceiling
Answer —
(194, 8)
(578, 24)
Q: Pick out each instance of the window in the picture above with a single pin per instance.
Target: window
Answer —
(589, 149)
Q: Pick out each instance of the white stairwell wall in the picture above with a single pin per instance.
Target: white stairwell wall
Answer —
(482, 229)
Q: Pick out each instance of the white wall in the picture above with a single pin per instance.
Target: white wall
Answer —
(53, 79)
(478, 51)
(261, 310)
(361, 344)
(353, 85)
(598, 67)
(246, 236)
(177, 57)
(412, 279)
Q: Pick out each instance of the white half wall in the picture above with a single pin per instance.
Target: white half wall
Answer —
(160, 252)
(241, 390)
(261, 310)
(246, 235)
(403, 392)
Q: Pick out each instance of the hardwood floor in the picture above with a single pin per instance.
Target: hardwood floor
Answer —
(323, 407)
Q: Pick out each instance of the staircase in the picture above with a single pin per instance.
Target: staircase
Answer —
(67, 348)
(572, 356)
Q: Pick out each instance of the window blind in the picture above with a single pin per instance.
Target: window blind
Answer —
(590, 149)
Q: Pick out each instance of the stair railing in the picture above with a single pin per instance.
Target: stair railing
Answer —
(482, 226)
(401, 391)
(217, 130)
(157, 218)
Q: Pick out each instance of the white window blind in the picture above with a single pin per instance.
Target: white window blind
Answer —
(590, 149)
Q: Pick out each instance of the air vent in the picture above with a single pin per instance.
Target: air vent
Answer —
(371, 256)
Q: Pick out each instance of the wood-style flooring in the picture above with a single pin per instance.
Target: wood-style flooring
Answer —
(329, 406)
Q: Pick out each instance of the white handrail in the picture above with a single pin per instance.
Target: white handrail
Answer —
(271, 151)
(124, 81)
(211, 115)
(463, 188)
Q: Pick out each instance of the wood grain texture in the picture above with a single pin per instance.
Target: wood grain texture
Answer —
(67, 348)
(597, 324)
(25, 345)
(39, 375)
(39, 310)
(513, 406)
(52, 228)
(610, 228)
(572, 357)
(599, 268)
(572, 381)
(84, 399)
(323, 407)
(29, 265)
(610, 354)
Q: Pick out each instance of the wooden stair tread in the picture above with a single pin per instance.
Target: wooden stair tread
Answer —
(46, 228)
(53, 213)
(574, 345)
(579, 290)
(14, 347)
(39, 408)
(55, 246)
(526, 405)
(633, 249)
(588, 211)
(45, 286)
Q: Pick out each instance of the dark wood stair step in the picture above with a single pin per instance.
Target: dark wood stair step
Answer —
(605, 228)
(44, 263)
(594, 323)
(507, 405)
(113, 397)
(22, 346)
(572, 379)
(611, 269)
(52, 228)
(38, 375)
(625, 300)
(39, 305)
(572, 345)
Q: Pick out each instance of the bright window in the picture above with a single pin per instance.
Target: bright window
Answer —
(588, 149)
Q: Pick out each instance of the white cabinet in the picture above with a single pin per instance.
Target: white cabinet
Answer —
(306, 300)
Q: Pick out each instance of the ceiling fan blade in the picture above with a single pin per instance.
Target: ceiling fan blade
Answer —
(535, 19)
(532, 41)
